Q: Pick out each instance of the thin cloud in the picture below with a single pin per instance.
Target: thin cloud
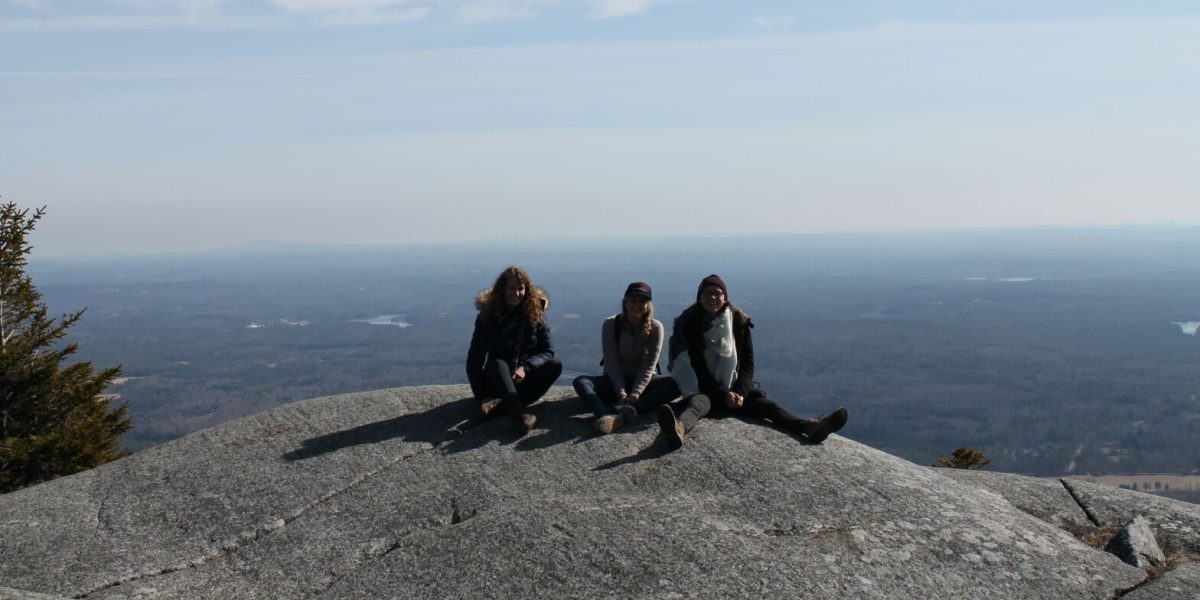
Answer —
(336, 6)
(189, 7)
(146, 75)
(56, 15)
(501, 10)
(372, 18)
(611, 9)
(136, 22)
(41, 6)
(773, 23)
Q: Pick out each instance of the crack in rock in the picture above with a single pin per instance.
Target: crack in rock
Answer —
(458, 516)
(246, 538)
(1123, 592)
(1075, 496)
(382, 548)
(390, 549)
(378, 549)
(99, 524)
(1151, 573)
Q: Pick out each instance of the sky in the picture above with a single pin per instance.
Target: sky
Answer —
(157, 126)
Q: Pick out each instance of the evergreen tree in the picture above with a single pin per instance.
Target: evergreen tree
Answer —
(964, 458)
(54, 420)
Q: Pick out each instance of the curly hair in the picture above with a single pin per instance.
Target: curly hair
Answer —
(532, 307)
(645, 328)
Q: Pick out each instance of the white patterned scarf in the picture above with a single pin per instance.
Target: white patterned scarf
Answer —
(720, 355)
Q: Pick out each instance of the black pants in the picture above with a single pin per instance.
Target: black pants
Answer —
(756, 405)
(516, 396)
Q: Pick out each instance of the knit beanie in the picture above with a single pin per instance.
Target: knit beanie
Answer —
(711, 280)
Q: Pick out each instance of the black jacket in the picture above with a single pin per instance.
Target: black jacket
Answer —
(690, 326)
(506, 337)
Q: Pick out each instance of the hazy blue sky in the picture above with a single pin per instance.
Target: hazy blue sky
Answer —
(158, 125)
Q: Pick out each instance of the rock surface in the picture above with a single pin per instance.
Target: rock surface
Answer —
(1176, 524)
(403, 493)
(1135, 544)
(1183, 583)
(1046, 499)
(11, 594)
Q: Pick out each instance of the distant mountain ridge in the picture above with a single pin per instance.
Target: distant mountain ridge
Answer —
(403, 493)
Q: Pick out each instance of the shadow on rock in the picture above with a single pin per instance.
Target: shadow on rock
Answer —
(655, 450)
(559, 422)
(434, 426)
(799, 437)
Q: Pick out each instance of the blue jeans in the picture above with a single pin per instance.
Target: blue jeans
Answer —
(598, 394)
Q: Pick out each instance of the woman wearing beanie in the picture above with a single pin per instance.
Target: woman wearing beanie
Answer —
(632, 341)
(712, 362)
(510, 363)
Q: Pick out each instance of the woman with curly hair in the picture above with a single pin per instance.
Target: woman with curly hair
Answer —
(510, 363)
(632, 341)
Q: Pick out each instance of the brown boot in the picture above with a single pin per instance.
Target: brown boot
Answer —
(523, 422)
(487, 408)
(816, 430)
(672, 430)
(605, 425)
(609, 423)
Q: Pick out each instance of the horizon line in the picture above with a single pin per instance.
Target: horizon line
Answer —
(275, 246)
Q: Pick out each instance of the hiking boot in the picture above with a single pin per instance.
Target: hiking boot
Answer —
(608, 423)
(819, 428)
(523, 422)
(628, 414)
(672, 429)
(487, 408)
(605, 424)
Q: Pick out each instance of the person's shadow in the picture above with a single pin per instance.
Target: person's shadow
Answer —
(451, 427)
(457, 426)
(659, 447)
(559, 421)
(438, 425)
(656, 449)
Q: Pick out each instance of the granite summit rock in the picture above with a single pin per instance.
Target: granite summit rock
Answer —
(404, 493)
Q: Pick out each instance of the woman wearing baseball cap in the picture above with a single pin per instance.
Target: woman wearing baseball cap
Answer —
(632, 341)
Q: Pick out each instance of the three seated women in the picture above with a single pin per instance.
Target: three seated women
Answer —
(511, 364)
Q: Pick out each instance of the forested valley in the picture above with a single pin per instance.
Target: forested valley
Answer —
(1053, 351)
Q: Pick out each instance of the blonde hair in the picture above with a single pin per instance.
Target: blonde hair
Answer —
(644, 329)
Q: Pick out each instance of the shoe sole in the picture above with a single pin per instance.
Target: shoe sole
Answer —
(605, 425)
(666, 420)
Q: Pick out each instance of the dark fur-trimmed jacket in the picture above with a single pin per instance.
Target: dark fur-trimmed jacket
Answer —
(689, 330)
(509, 338)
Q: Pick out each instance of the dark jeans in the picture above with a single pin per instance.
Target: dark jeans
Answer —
(516, 396)
(757, 405)
(598, 394)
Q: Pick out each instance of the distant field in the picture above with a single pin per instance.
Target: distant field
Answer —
(1179, 487)
(1147, 482)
